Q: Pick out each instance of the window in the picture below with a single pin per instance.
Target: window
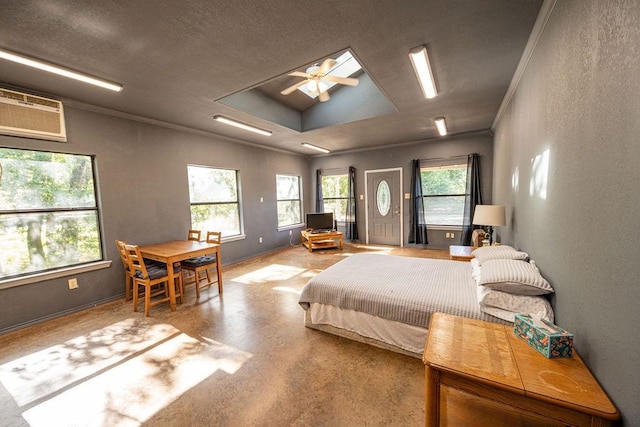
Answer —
(48, 212)
(215, 200)
(289, 200)
(335, 195)
(443, 191)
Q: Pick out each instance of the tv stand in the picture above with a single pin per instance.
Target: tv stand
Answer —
(323, 240)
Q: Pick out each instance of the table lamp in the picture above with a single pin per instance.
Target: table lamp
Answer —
(489, 216)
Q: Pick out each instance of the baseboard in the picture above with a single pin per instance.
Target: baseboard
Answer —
(52, 316)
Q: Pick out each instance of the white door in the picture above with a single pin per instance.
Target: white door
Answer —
(384, 207)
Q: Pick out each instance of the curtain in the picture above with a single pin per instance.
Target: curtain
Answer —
(319, 198)
(351, 226)
(472, 198)
(417, 226)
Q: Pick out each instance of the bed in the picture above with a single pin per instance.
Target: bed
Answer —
(387, 300)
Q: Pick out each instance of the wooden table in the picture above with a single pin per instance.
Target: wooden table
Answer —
(461, 253)
(179, 250)
(481, 374)
(323, 240)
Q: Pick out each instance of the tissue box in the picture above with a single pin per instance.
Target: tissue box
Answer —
(552, 345)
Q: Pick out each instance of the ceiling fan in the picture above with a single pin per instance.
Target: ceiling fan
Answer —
(315, 77)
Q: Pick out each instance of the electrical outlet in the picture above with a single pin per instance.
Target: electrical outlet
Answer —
(260, 240)
(453, 236)
(73, 283)
(447, 235)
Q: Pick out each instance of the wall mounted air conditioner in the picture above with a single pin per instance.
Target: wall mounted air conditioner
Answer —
(31, 116)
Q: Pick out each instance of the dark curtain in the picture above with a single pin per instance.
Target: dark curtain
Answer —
(417, 226)
(319, 198)
(351, 226)
(472, 198)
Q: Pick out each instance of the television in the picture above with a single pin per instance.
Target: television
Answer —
(320, 221)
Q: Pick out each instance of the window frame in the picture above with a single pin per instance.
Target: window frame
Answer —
(224, 238)
(454, 164)
(299, 200)
(346, 198)
(69, 268)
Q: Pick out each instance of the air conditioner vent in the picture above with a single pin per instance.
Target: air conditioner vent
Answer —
(31, 116)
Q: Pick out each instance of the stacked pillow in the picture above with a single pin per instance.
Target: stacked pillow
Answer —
(508, 283)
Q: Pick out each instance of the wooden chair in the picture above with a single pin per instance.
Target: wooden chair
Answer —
(150, 277)
(194, 235)
(203, 264)
(128, 280)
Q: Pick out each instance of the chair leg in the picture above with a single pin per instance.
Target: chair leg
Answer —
(135, 295)
(147, 300)
(127, 286)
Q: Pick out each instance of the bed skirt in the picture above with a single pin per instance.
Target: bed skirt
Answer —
(368, 329)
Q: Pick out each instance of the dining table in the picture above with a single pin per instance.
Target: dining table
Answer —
(178, 250)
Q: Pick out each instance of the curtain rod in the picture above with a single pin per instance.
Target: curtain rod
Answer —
(461, 156)
(336, 169)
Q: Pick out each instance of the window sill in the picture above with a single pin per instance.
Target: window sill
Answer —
(445, 227)
(49, 275)
(233, 238)
(291, 227)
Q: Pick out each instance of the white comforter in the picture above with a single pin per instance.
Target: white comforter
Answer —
(397, 288)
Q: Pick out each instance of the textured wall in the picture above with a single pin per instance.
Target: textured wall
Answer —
(143, 188)
(567, 165)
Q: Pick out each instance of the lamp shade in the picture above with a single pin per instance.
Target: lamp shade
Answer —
(489, 215)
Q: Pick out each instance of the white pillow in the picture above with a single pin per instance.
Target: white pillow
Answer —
(475, 270)
(513, 276)
(486, 253)
(504, 305)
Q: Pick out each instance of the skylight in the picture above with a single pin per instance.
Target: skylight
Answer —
(346, 66)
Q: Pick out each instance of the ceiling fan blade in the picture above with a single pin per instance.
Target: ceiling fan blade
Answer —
(299, 74)
(327, 64)
(348, 81)
(324, 96)
(292, 88)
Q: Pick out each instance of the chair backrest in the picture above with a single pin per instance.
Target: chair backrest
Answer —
(213, 236)
(135, 261)
(194, 235)
(123, 253)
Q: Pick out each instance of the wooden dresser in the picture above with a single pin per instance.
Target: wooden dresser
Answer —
(481, 374)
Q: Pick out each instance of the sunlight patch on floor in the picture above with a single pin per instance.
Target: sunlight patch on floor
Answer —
(288, 289)
(119, 375)
(375, 248)
(270, 273)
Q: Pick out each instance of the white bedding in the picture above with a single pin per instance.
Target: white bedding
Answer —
(401, 289)
(406, 337)
(342, 299)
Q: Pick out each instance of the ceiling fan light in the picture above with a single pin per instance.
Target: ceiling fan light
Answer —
(422, 68)
(312, 86)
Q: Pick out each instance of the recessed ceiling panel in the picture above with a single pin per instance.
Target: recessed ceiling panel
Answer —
(302, 109)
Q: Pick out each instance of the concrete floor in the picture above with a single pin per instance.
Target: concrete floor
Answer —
(243, 359)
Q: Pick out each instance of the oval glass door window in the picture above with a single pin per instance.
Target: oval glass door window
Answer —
(383, 198)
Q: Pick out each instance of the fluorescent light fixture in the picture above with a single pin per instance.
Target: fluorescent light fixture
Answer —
(65, 72)
(313, 147)
(242, 125)
(420, 62)
(441, 125)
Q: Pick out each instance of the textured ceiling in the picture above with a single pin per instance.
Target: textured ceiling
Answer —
(175, 59)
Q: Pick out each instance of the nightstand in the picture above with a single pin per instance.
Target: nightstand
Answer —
(461, 253)
(480, 374)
